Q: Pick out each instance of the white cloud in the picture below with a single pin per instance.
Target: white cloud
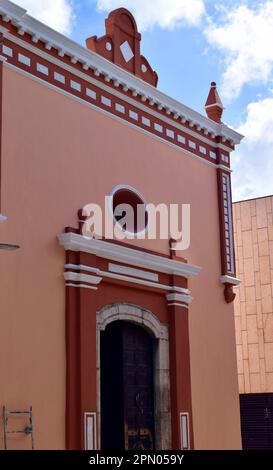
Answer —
(245, 37)
(57, 14)
(253, 160)
(167, 14)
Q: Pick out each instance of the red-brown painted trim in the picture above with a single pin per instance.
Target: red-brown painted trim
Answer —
(81, 382)
(180, 374)
(121, 243)
(228, 265)
(189, 140)
(81, 307)
(221, 222)
(228, 293)
(88, 360)
(228, 258)
(78, 67)
(121, 27)
(91, 261)
(73, 423)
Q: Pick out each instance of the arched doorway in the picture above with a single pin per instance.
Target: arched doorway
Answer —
(127, 387)
(159, 332)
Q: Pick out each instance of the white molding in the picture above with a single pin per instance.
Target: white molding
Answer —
(208, 106)
(118, 187)
(230, 280)
(131, 256)
(90, 441)
(3, 59)
(184, 436)
(2, 29)
(135, 314)
(82, 267)
(186, 299)
(119, 269)
(79, 277)
(135, 280)
(108, 89)
(114, 72)
(3, 218)
(225, 168)
(125, 278)
(115, 117)
(84, 286)
(12, 10)
(174, 304)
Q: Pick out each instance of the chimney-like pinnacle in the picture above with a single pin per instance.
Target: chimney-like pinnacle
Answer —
(214, 106)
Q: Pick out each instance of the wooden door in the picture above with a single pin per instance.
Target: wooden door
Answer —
(127, 388)
(138, 388)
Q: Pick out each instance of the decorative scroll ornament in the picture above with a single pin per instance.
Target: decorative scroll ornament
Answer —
(121, 45)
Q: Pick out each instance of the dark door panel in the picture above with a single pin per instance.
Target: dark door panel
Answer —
(127, 388)
(112, 417)
(257, 420)
(138, 388)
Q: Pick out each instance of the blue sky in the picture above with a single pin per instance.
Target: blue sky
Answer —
(191, 43)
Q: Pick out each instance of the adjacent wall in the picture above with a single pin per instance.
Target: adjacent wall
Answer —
(253, 226)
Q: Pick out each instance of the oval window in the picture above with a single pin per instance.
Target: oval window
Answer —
(129, 209)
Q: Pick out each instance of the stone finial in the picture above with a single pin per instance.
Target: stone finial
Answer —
(214, 106)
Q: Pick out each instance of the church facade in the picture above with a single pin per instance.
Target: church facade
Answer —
(115, 344)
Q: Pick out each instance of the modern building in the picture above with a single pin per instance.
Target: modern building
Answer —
(253, 227)
(114, 344)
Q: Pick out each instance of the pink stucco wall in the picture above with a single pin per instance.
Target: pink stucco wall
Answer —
(58, 155)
